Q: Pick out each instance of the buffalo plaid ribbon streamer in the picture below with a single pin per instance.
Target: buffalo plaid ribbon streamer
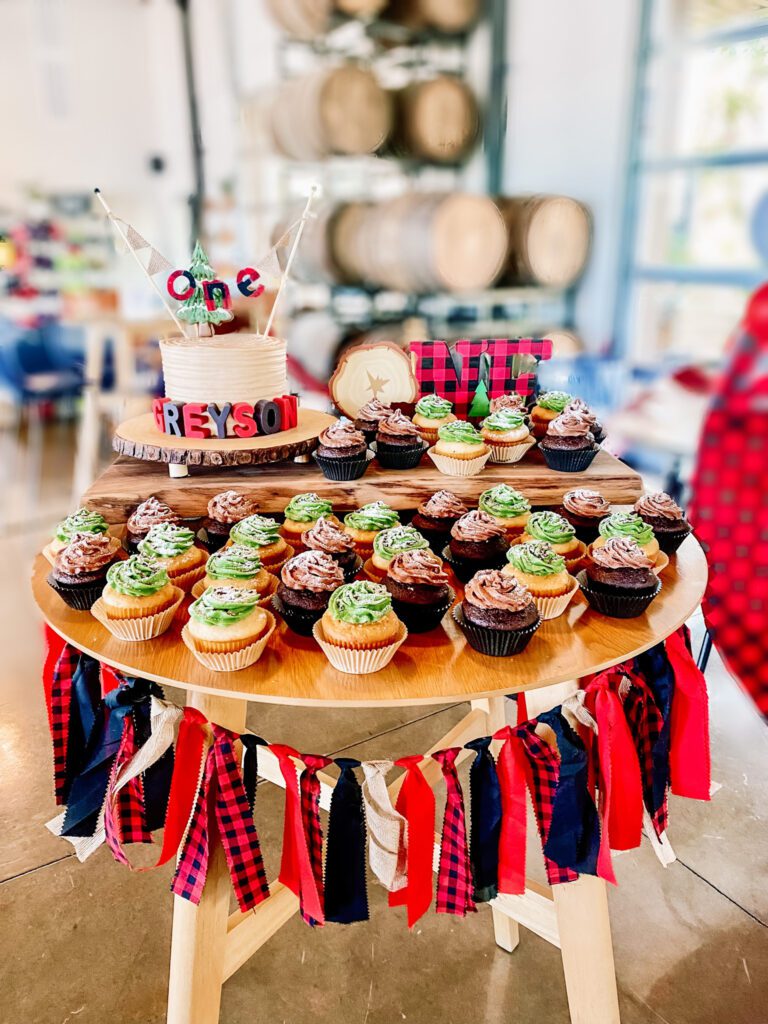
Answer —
(416, 803)
(155, 779)
(223, 792)
(129, 817)
(485, 818)
(454, 876)
(75, 695)
(54, 645)
(689, 763)
(346, 892)
(653, 666)
(309, 786)
(645, 724)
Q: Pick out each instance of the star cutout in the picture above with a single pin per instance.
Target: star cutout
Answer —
(376, 384)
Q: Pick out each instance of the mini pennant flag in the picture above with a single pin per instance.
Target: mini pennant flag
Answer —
(416, 802)
(346, 893)
(386, 827)
(485, 832)
(157, 263)
(689, 761)
(454, 874)
(309, 786)
(135, 240)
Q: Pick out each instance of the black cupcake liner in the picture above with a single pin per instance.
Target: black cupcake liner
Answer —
(496, 643)
(396, 457)
(616, 605)
(343, 469)
(351, 571)
(421, 618)
(670, 542)
(588, 534)
(465, 568)
(211, 541)
(569, 461)
(300, 620)
(81, 597)
(437, 539)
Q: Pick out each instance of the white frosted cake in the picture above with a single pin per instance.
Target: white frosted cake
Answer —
(224, 368)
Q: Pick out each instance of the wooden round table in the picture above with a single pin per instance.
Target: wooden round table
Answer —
(209, 943)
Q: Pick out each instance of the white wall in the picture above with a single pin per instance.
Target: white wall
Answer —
(571, 73)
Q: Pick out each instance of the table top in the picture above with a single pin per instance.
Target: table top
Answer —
(120, 488)
(432, 668)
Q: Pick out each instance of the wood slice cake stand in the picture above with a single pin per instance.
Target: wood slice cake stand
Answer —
(139, 438)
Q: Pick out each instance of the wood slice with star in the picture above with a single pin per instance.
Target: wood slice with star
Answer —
(380, 371)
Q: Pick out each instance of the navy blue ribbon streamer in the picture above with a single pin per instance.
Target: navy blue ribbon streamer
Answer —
(346, 893)
(485, 824)
(84, 701)
(251, 746)
(654, 667)
(574, 832)
(90, 787)
(156, 779)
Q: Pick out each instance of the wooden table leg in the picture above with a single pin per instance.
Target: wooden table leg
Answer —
(200, 932)
(581, 908)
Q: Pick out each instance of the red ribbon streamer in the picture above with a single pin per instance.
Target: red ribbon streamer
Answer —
(512, 771)
(416, 803)
(689, 761)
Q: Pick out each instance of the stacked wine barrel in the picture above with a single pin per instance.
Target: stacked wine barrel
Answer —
(307, 19)
(549, 240)
(436, 120)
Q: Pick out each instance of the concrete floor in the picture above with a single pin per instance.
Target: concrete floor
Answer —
(88, 943)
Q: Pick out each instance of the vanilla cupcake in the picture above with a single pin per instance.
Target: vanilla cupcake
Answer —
(224, 510)
(149, 513)
(393, 542)
(629, 524)
(360, 617)
(363, 524)
(262, 533)
(431, 413)
(82, 521)
(548, 406)
(301, 514)
(137, 588)
(508, 507)
(238, 566)
(507, 434)
(460, 449)
(225, 620)
(539, 567)
(174, 548)
(557, 531)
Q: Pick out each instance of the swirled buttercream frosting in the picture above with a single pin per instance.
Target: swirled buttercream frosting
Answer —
(237, 562)
(325, 535)
(166, 540)
(312, 570)
(491, 588)
(536, 558)
(504, 501)
(476, 526)
(621, 553)
(418, 568)
(584, 502)
(137, 577)
(360, 602)
(391, 542)
(150, 513)
(306, 508)
(82, 521)
(375, 516)
(231, 507)
(443, 504)
(626, 524)
(223, 606)
(551, 527)
(658, 505)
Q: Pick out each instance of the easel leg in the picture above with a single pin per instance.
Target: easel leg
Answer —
(199, 932)
(581, 908)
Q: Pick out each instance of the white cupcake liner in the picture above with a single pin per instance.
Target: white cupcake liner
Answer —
(552, 607)
(146, 627)
(354, 661)
(510, 453)
(275, 567)
(231, 661)
(459, 467)
(186, 580)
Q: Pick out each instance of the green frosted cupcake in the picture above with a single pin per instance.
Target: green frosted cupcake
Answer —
(363, 524)
(432, 412)
(556, 531)
(509, 508)
(82, 521)
(262, 533)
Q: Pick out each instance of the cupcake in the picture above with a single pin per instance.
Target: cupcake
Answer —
(139, 601)
(301, 514)
(578, 405)
(82, 521)
(548, 406)
(225, 620)
(477, 542)
(665, 518)
(431, 413)
(149, 513)
(619, 580)
(224, 510)
(539, 568)
(238, 566)
(585, 510)
(568, 445)
(514, 401)
(498, 615)
(370, 416)
(366, 522)
(508, 507)
(419, 588)
(360, 617)
(557, 531)
(262, 533)
(174, 548)
(328, 536)
(628, 524)
(306, 584)
(389, 543)
(507, 434)
(435, 517)
(342, 453)
(460, 449)
(80, 570)
(399, 444)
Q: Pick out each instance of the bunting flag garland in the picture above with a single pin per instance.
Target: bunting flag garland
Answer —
(386, 827)
(454, 875)
(346, 892)
(309, 787)
(416, 803)
(689, 764)
(153, 261)
(485, 816)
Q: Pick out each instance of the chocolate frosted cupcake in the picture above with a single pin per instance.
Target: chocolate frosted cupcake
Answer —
(628, 524)
(80, 570)
(477, 542)
(342, 453)
(666, 519)
(547, 408)
(224, 510)
(328, 536)
(585, 510)
(568, 445)
(306, 584)
(578, 405)
(399, 445)
(82, 521)
(508, 507)
(431, 413)
(498, 615)
(370, 416)
(146, 515)
(419, 587)
(619, 580)
(435, 517)
(389, 543)
(514, 401)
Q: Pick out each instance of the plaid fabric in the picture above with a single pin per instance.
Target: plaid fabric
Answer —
(454, 876)
(436, 372)
(236, 827)
(61, 700)
(189, 879)
(131, 818)
(544, 768)
(645, 723)
(309, 786)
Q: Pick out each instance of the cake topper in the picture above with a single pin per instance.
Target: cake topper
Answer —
(206, 300)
